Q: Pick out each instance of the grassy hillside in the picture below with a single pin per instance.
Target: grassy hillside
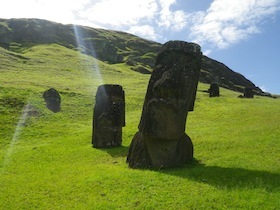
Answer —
(47, 161)
(114, 47)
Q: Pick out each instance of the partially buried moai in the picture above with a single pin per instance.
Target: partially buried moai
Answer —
(161, 141)
(248, 92)
(52, 99)
(108, 117)
(214, 90)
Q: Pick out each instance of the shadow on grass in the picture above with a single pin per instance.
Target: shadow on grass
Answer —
(231, 178)
(120, 151)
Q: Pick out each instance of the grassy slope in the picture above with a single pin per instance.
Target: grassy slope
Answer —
(48, 161)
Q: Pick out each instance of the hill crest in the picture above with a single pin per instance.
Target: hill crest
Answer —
(112, 47)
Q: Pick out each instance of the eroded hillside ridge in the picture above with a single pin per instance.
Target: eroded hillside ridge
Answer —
(111, 47)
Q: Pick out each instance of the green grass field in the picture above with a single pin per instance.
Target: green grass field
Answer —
(47, 160)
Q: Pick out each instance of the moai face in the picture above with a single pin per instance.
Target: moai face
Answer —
(110, 103)
(109, 116)
(170, 95)
(248, 92)
(214, 90)
(161, 140)
(52, 99)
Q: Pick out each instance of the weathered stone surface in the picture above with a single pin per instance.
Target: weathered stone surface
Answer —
(214, 90)
(161, 140)
(109, 116)
(248, 92)
(52, 99)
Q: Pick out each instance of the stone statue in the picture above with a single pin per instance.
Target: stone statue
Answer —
(109, 116)
(161, 140)
(52, 99)
(248, 92)
(214, 90)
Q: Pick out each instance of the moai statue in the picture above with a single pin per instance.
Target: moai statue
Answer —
(161, 141)
(248, 92)
(108, 117)
(214, 90)
(52, 99)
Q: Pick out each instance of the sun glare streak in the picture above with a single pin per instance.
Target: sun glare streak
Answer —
(16, 137)
(87, 46)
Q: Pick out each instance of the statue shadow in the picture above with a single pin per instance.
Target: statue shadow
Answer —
(120, 151)
(230, 178)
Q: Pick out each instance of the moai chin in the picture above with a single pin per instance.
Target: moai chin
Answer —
(214, 90)
(108, 117)
(52, 99)
(161, 141)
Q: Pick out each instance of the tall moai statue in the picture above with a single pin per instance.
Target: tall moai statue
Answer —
(248, 92)
(214, 90)
(161, 141)
(108, 117)
(52, 99)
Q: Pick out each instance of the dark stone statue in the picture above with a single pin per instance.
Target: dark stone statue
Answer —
(214, 90)
(161, 141)
(52, 99)
(248, 92)
(109, 116)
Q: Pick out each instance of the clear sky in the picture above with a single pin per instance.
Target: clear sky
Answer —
(243, 34)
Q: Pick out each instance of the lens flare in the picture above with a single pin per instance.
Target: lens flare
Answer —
(87, 47)
(16, 136)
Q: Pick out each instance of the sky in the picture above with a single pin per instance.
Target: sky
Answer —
(242, 34)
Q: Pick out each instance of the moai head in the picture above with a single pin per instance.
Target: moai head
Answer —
(248, 92)
(214, 90)
(171, 90)
(52, 99)
(109, 116)
(161, 141)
